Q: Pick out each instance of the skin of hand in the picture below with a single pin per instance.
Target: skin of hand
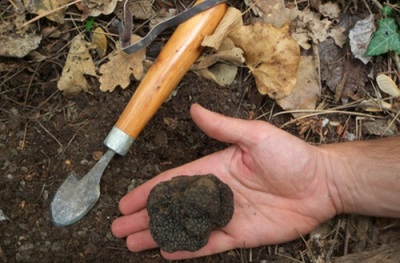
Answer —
(280, 185)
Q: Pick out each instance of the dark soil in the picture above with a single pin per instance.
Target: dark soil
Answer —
(44, 135)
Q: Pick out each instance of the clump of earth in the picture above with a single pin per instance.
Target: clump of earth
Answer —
(186, 209)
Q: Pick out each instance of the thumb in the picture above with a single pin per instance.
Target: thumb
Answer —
(228, 129)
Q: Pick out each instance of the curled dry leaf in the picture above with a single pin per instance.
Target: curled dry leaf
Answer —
(375, 105)
(360, 36)
(99, 39)
(307, 91)
(387, 85)
(227, 53)
(231, 20)
(78, 64)
(221, 67)
(118, 70)
(272, 56)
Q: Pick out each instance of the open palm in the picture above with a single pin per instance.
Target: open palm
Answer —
(279, 185)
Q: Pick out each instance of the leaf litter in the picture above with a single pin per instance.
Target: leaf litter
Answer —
(79, 63)
(325, 66)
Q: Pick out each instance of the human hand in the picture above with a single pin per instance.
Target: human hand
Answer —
(280, 185)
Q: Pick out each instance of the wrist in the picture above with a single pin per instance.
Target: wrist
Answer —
(330, 165)
(364, 177)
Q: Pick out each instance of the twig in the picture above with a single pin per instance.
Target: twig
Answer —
(396, 62)
(391, 123)
(49, 12)
(377, 4)
(49, 133)
(330, 251)
(24, 137)
(321, 112)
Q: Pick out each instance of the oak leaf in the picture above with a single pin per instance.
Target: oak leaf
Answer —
(118, 70)
(272, 56)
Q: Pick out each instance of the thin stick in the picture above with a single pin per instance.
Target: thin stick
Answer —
(396, 62)
(49, 12)
(49, 133)
(321, 112)
(377, 4)
(391, 123)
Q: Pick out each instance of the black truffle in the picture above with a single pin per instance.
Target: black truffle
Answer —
(184, 211)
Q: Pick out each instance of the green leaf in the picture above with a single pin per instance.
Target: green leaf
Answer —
(385, 39)
(89, 24)
(387, 11)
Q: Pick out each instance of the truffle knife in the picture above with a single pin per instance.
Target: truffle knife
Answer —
(76, 197)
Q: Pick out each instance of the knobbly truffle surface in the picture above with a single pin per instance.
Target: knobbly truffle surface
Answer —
(184, 211)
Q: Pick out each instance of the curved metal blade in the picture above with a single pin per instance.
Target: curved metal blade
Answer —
(76, 197)
(171, 22)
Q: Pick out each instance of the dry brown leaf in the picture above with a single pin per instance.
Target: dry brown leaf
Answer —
(16, 45)
(222, 74)
(231, 20)
(78, 63)
(99, 39)
(387, 85)
(309, 27)
(15, 41)
(118, 70)
(330, 10)
(51, 32)
(272, 56)
(307, 91)
(96, 7)
(140, 9)
(221, 67)
(272, 12)
(44, 6)
(360, 36)
(375, 105)
(227, 52)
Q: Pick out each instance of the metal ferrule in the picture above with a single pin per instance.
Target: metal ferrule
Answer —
(118, 141)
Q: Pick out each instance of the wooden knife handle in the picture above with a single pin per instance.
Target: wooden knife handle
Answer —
(175, 59)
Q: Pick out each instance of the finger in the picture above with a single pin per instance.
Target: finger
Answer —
(227, 129)
(140, 241)
(136, 199)
(218, 242)
(127, 225)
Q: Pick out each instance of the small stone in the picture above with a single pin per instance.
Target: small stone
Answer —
(97, 155)
(3, 217)
(14, 111)
(45, 195)
(23, 169)
(57, 246)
